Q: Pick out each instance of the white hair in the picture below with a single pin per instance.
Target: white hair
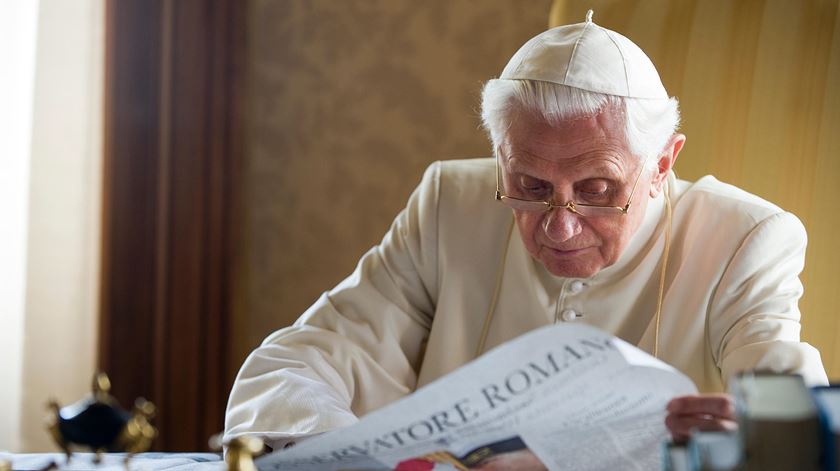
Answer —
(648, 123)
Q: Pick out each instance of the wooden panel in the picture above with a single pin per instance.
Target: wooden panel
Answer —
(171, 195)
(757, 84)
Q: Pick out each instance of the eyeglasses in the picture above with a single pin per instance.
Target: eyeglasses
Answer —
(582, 209)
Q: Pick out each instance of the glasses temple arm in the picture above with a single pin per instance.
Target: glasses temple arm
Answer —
(636, 183)
(498, 181)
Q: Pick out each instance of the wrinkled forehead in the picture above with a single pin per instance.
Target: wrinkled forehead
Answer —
(585, 140)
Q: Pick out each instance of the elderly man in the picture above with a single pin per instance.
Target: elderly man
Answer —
(589, 224)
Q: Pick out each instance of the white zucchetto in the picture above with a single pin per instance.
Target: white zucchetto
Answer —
(589, 57)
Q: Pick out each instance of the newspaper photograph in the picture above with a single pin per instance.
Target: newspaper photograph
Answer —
(563, 397)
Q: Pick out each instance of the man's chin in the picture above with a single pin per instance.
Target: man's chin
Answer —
(571, 268)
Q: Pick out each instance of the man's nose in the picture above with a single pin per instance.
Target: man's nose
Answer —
(560, 224)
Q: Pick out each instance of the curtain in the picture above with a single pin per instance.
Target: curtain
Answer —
(18, 22)
(758, 88)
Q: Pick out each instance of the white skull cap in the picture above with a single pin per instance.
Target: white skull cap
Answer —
(589, 57)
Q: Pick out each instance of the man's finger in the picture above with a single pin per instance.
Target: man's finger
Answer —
(681, 426)
(718, 405)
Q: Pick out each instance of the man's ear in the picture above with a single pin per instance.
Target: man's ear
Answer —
(666, 161)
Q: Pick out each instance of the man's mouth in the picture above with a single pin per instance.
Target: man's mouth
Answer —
(566, 252)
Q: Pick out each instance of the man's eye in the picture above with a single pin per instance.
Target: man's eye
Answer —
(594, 190)
(532, 185)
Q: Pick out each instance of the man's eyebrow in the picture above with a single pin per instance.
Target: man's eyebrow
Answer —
(600, 170)
(517, 167)
(608, 171)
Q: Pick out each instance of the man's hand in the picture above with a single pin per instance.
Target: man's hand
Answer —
(706, 412)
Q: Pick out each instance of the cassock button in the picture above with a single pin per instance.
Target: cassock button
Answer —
(568, 315)
(575, 287)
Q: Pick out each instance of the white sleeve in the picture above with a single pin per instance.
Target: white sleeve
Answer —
(754, 318)
(357, 348)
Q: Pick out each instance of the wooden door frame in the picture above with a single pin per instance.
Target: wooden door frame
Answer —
(172, 155)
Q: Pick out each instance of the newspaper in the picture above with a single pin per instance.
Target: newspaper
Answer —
(563, 397)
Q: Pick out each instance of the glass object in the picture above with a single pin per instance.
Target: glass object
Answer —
(582, 209)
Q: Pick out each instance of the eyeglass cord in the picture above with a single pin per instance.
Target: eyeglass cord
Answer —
(499, 275)
(500, 270)
(665, 252)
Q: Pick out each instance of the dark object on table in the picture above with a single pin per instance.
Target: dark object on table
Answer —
(99, 424)
(828, 401)
(778, 422)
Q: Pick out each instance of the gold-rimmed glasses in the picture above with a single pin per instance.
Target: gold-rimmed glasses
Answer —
(582, 209)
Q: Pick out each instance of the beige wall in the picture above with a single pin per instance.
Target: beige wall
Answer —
(349, 102)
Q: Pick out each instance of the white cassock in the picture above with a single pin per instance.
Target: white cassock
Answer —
(453, 270)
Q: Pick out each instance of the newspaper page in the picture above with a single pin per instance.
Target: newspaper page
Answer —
(563, 397)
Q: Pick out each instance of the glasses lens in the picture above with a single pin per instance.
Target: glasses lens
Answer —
(524, 205)
(597, 210)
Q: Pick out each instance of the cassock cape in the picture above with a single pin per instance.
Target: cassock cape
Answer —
(416, 305)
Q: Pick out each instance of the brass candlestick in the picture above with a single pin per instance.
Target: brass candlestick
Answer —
(241, 451)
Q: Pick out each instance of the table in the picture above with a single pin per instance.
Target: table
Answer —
(114, 461)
